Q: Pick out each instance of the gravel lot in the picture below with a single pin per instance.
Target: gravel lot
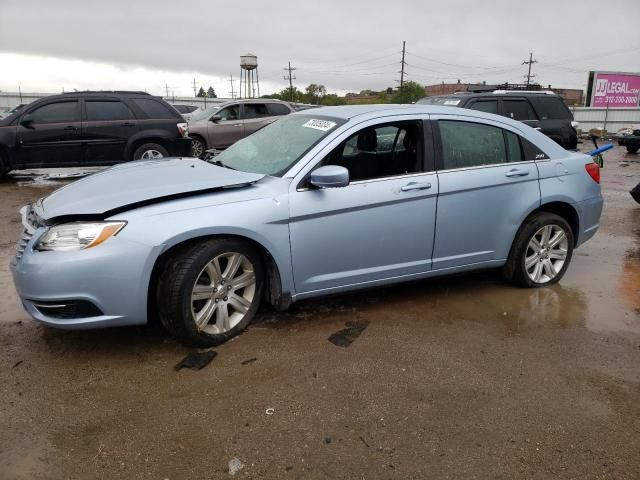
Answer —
(463, 377)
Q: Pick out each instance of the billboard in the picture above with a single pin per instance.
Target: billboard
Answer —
(613, 90)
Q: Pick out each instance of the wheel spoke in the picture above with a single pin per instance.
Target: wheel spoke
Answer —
(234, 262)
(204, 315)
(222, 318)
(546, 233)
(537, 272)
(558, 254)
(549, 269)
(201, 292)
(534, 245)
(240, 304)
(213, 270)
(244, 280)
(530, 261)
(557, 238)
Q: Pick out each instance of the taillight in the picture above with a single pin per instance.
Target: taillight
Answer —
(183, 129)
(593, 169)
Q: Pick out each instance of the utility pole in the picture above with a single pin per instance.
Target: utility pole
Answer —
(291, 78)
(194, 88)
(531, 61)
(402, 65)
(233, 93)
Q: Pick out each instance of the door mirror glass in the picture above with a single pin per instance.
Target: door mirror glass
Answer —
(330, 176)
(216, 118)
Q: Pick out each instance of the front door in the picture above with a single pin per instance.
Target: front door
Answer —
(225, 130)
(378, 227)
(49, 135)
(108, 125)
(486, 188)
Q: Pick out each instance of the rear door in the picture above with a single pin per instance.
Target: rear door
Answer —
(255, 116)
(555, 119)
(489, 105)
(520, 109)
(486, 189)
(52, 138)
(108, 125)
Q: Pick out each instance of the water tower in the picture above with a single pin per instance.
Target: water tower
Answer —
(249, 85)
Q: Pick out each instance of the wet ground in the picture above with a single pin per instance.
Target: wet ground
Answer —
(463, 377)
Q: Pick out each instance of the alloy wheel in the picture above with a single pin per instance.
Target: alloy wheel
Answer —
(546, 253)
(151, 154)
(223, 293)
(197, 148)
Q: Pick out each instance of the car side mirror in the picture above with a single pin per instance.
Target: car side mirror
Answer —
(216, 118)
(330, 176)
(27, 121)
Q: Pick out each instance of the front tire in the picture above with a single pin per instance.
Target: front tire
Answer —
(541, 251)
(631, 149)
(150, 151)
(210, 291)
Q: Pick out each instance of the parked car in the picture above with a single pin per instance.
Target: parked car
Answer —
(12, 110)
(630, 140)
(91, 129)
(316, 203)
(540, 109)
(222, 125)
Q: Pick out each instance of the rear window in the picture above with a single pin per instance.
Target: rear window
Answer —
(552, 108)
(98, 110)
(154, 109)
(278, 109)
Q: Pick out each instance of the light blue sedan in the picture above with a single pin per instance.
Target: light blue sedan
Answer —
(323, 201)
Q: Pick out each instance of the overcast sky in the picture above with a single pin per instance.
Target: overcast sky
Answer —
(347, 45)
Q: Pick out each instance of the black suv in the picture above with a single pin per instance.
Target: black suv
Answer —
(91, 129)
(542, 110)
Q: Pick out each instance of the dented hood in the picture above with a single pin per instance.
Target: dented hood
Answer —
(139, 183)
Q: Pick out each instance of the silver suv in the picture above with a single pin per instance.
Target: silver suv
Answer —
(223, 125)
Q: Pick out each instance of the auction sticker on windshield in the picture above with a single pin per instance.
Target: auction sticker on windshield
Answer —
(324, 125)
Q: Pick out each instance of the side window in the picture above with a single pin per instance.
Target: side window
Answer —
(489, 106)
(531, 152)
(467, 144)
(552, 108)
(56, 112)
(255, 110)
(278, 109)
(102, 110)
(155, 109)
(513, 147)
(383, 151)
(229, 113)
(518, 110)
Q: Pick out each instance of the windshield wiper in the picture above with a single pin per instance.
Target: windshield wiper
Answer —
(220, 164)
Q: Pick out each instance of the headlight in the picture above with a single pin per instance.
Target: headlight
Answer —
(78, 236)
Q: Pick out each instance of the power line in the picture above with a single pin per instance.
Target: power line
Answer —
(291, 78)
(530, 62)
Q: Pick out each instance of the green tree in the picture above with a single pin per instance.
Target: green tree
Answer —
(332, 99)
(211, 93)
(410, 92)
(314, 93)
(201, 93)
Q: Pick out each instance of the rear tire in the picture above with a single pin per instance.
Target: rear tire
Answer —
(150, 151)
(541, 251)
(3, 170)
(198, 147)
(631, 149)
(210, 291)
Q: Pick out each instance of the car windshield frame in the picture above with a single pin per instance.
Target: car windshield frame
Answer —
(205, 114)
(257, 145)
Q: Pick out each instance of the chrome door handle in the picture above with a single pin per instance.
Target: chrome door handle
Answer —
(517, 173)
(237, 125)
(415, 186)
